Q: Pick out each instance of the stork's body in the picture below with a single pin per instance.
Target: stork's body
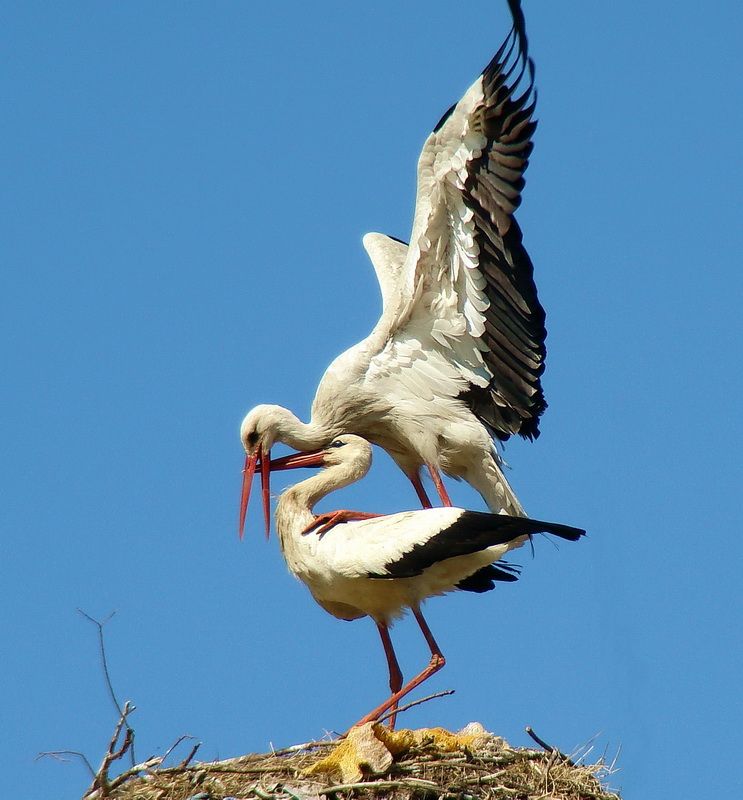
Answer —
(457, 355)
(383, 566)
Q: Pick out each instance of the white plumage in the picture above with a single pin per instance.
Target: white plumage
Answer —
(458, 352)
(382, 566)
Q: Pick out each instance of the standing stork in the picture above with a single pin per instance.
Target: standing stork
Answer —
(380, 565)
(456, 357)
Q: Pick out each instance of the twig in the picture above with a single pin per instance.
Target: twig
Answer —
(298, 748)
(414, 703)
(177, 742)
(612, 766)
(539, 741)
(417, 783)
(113, 754)
(476, 780)
(57, 754)
(436, 761)
(122, 715)
(259, 793)
(145, 766)
(101, 787)
(549, 748)
(188, 758)
(103, 655)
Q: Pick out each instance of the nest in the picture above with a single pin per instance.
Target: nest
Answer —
(421, 768)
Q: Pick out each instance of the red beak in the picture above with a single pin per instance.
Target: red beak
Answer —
(251, 462)
(297, 460)
(268, 465)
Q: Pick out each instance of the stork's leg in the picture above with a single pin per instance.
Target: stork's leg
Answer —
(415, 479)
(324, 522)
(439, 484)
(435, 664)
(392, 664)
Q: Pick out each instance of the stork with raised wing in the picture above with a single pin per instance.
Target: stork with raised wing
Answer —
(380, 565)
(456, 357)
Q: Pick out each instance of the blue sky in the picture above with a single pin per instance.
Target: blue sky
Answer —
(184, 189)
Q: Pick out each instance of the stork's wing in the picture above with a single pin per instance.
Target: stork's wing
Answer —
(466, 303)
(406, 544)
(388, 257)
(403, 545)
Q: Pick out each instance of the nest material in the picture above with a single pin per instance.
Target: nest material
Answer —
(489, 770)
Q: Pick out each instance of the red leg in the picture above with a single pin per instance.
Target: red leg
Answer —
(392, 664)
(330, 518)
(415, 479)
(436, 663)
(439, 484)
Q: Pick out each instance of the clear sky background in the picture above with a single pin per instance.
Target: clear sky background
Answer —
(184, 190)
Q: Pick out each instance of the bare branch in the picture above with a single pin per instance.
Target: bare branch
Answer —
(548, 747)
(145, 766)
(57, 755)
(104, 661)
(539, 741)
(186, 761)
(298, 748)
(415, 703)
(415, 783)
(177, 742)
(102, 786)
(103, 655)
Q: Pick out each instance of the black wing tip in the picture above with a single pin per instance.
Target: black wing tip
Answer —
(472, 532)
(486, 577)
(567, 532)
(517, 38)
(502, 423)
(440, 124)
(495, 65)
(519, 23)
(512, 527)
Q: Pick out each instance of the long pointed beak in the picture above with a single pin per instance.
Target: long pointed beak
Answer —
(297, 460)
(266, 489)
(267, 466)
(248, 472)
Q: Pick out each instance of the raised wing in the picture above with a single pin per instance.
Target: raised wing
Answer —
(468, 321)
(388, 257)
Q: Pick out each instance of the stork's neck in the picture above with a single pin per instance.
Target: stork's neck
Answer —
(302, 435)
(294, 508)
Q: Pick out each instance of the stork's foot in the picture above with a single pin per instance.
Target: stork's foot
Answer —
(324, 522)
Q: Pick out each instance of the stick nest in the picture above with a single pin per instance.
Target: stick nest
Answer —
(487, 770)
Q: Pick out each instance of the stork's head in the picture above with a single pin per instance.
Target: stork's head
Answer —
(348, 455)
(262, 427)
(349, 451)
(258, 432)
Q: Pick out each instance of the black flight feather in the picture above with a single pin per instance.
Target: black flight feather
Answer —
(484, 579)
(471, 532)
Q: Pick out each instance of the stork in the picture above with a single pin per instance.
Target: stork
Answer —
(456, 358)
(380, 565)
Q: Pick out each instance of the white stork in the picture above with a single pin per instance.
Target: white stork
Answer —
(458, 352)
(381, 565)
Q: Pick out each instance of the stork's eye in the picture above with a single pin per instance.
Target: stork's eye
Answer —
(252, 438)
(336, 443)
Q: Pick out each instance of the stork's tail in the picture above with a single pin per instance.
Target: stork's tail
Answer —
(479, 529)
